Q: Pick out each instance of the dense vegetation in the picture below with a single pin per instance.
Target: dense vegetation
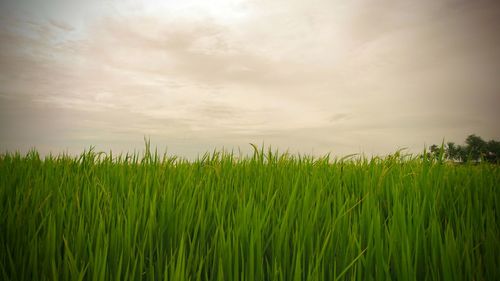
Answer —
(267, 217)
(475, 149)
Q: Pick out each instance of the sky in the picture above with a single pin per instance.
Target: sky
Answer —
(310, 77)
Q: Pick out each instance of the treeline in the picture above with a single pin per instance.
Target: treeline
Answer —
(475, 149)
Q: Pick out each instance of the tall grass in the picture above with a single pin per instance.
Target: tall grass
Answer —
(267, 217)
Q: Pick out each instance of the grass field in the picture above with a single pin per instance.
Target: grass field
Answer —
(267, 217)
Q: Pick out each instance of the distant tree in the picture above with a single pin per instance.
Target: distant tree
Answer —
(452, 151)
(461, 153)
(434, 150)
(493, 151)
(476, 147)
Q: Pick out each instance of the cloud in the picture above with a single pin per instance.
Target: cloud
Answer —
(61, 25)
(294, 74)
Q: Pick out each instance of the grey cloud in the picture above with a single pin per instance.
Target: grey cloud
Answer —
(61, 25)
(175, 50)
(339, 117)
(348, 76)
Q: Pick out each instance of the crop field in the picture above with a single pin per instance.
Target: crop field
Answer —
(269, 216)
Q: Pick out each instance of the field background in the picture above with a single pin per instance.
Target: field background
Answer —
(270, 216)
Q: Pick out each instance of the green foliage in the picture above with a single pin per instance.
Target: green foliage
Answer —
(492, 153)
(267, 217)
(476, 147)
(474, 150)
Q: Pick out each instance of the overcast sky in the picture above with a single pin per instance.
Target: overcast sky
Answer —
(362, 76)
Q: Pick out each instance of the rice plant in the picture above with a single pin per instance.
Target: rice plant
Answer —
(268, 216)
